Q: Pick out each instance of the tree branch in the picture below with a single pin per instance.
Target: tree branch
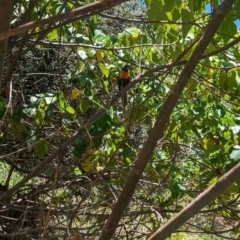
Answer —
(6, 8)
(162, 119)
(197, 204)
(83, 11)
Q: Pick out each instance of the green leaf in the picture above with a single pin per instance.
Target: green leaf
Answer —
(80, 148)
(102, 39)
(113, 39)
(89, 164)
(84, 105)
(50, 98)
(105, 71)
(2, 104)
(197, 5)
(25, 133)
(82, 54)
(18, 115)
(208, 145)
(34, 99)
(177, 189)
(175, 14)
(125, 150)
(169, 5)
(186, 17)
(223, 80)
(42, 103)
(156, 11)
(103, 123)
(52, 35)
(41, 148)
(50, 110)
(39, 116)
(237, 4)
(134, 32)
(62, 101)
(228, 29)
(47, 97)
(212, 181)
(235, 155)
(33, 16)
(70, 110)
(215, 2)
(227, 64)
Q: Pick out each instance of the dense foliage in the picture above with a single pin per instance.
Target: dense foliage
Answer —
(57, 80)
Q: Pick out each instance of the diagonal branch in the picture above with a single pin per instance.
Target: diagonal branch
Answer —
(83, 11)
(197, 204)
(162, 120)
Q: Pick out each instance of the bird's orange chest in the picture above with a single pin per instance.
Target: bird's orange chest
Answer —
(123, 75)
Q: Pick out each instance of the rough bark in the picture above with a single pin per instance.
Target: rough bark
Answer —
(162, 119)
(6, 8)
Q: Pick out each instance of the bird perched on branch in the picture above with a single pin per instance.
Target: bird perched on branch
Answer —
(122, 81)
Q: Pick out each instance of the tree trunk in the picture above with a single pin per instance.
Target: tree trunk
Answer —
(6, 8)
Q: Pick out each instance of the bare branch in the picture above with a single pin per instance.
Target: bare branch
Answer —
(198, 203)
(83, 11)
(161, 122)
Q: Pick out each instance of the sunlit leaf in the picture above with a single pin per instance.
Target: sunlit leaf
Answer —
(79, 67)
(208, 145)
(213, 180)
(235, 155)
(62, 101)
(52, 35)
(99, 55)
(50, 99)
(133, 31)
(42, 103)
(105, 71)
(39, 116)
(88, 164)
(82, 54)
(70, 110)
